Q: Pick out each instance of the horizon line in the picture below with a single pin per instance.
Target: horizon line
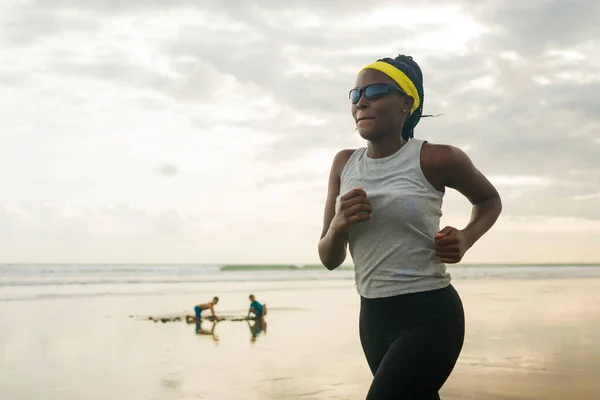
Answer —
(278, 264)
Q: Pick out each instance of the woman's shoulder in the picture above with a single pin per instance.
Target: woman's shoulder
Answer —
(341, 159)
(343, 155)
(442, 155)
(442, 164)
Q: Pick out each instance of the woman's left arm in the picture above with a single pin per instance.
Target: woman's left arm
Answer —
(458, 172)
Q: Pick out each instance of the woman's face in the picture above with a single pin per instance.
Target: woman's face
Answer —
(382, 115)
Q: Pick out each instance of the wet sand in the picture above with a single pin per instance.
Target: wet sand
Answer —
(526, 339)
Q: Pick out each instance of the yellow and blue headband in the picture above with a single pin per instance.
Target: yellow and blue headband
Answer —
(400, 78)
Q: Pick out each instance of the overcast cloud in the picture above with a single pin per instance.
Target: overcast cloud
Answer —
(203, 131)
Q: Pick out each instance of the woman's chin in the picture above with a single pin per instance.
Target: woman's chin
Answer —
(366, 133)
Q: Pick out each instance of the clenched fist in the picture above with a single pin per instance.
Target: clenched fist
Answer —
(353, 207)
(450, 245)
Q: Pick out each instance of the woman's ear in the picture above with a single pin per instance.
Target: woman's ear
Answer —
(409, 101)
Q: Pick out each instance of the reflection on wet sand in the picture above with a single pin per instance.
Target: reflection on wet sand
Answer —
(259, 326)
(200, 331)
(529, 340)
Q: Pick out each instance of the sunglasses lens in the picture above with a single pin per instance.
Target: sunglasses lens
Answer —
(355, 95)
(374, 91)
(371, 92)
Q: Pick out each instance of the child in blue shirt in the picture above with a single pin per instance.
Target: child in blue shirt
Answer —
(259, 310)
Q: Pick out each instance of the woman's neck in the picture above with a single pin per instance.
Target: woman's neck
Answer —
(385, 147)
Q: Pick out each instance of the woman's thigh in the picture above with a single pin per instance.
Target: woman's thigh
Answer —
(412, 350)
(417, 364)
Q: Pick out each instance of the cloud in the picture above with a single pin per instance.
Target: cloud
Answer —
(84, 233)
(550, 225)
(25, 25)
(536, 26)
(169, 170)
(585, 197)
(251, 97)
(511, 181)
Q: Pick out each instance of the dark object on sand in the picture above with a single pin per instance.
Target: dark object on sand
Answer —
(190, 319)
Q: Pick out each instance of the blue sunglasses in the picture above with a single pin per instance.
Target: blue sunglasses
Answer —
(373, 91)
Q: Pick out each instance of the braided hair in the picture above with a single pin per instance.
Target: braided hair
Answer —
(412, 70)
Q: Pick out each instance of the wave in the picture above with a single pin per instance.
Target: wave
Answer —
(19, 283)
(165, 280)
(274, 267)
(42, 275)
(113, 291)
(87, 275)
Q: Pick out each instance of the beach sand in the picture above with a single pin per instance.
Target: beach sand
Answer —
(526, 339)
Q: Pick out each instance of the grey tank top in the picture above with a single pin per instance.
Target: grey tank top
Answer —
(393, 251)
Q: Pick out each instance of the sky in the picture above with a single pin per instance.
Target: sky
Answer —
(203, 131)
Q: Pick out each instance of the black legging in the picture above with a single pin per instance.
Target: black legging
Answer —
(411, 342)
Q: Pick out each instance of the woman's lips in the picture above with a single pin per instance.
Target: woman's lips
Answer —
(364, 119)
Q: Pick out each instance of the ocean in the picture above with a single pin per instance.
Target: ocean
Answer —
(39, 281)
(82, 332)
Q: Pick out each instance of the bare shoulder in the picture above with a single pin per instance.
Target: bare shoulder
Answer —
(341, 159)
(443, 165)
(440, 156)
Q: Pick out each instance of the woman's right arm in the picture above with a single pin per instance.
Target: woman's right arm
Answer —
(332, 246)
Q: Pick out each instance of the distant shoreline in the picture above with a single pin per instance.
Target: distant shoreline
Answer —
(242, 267)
